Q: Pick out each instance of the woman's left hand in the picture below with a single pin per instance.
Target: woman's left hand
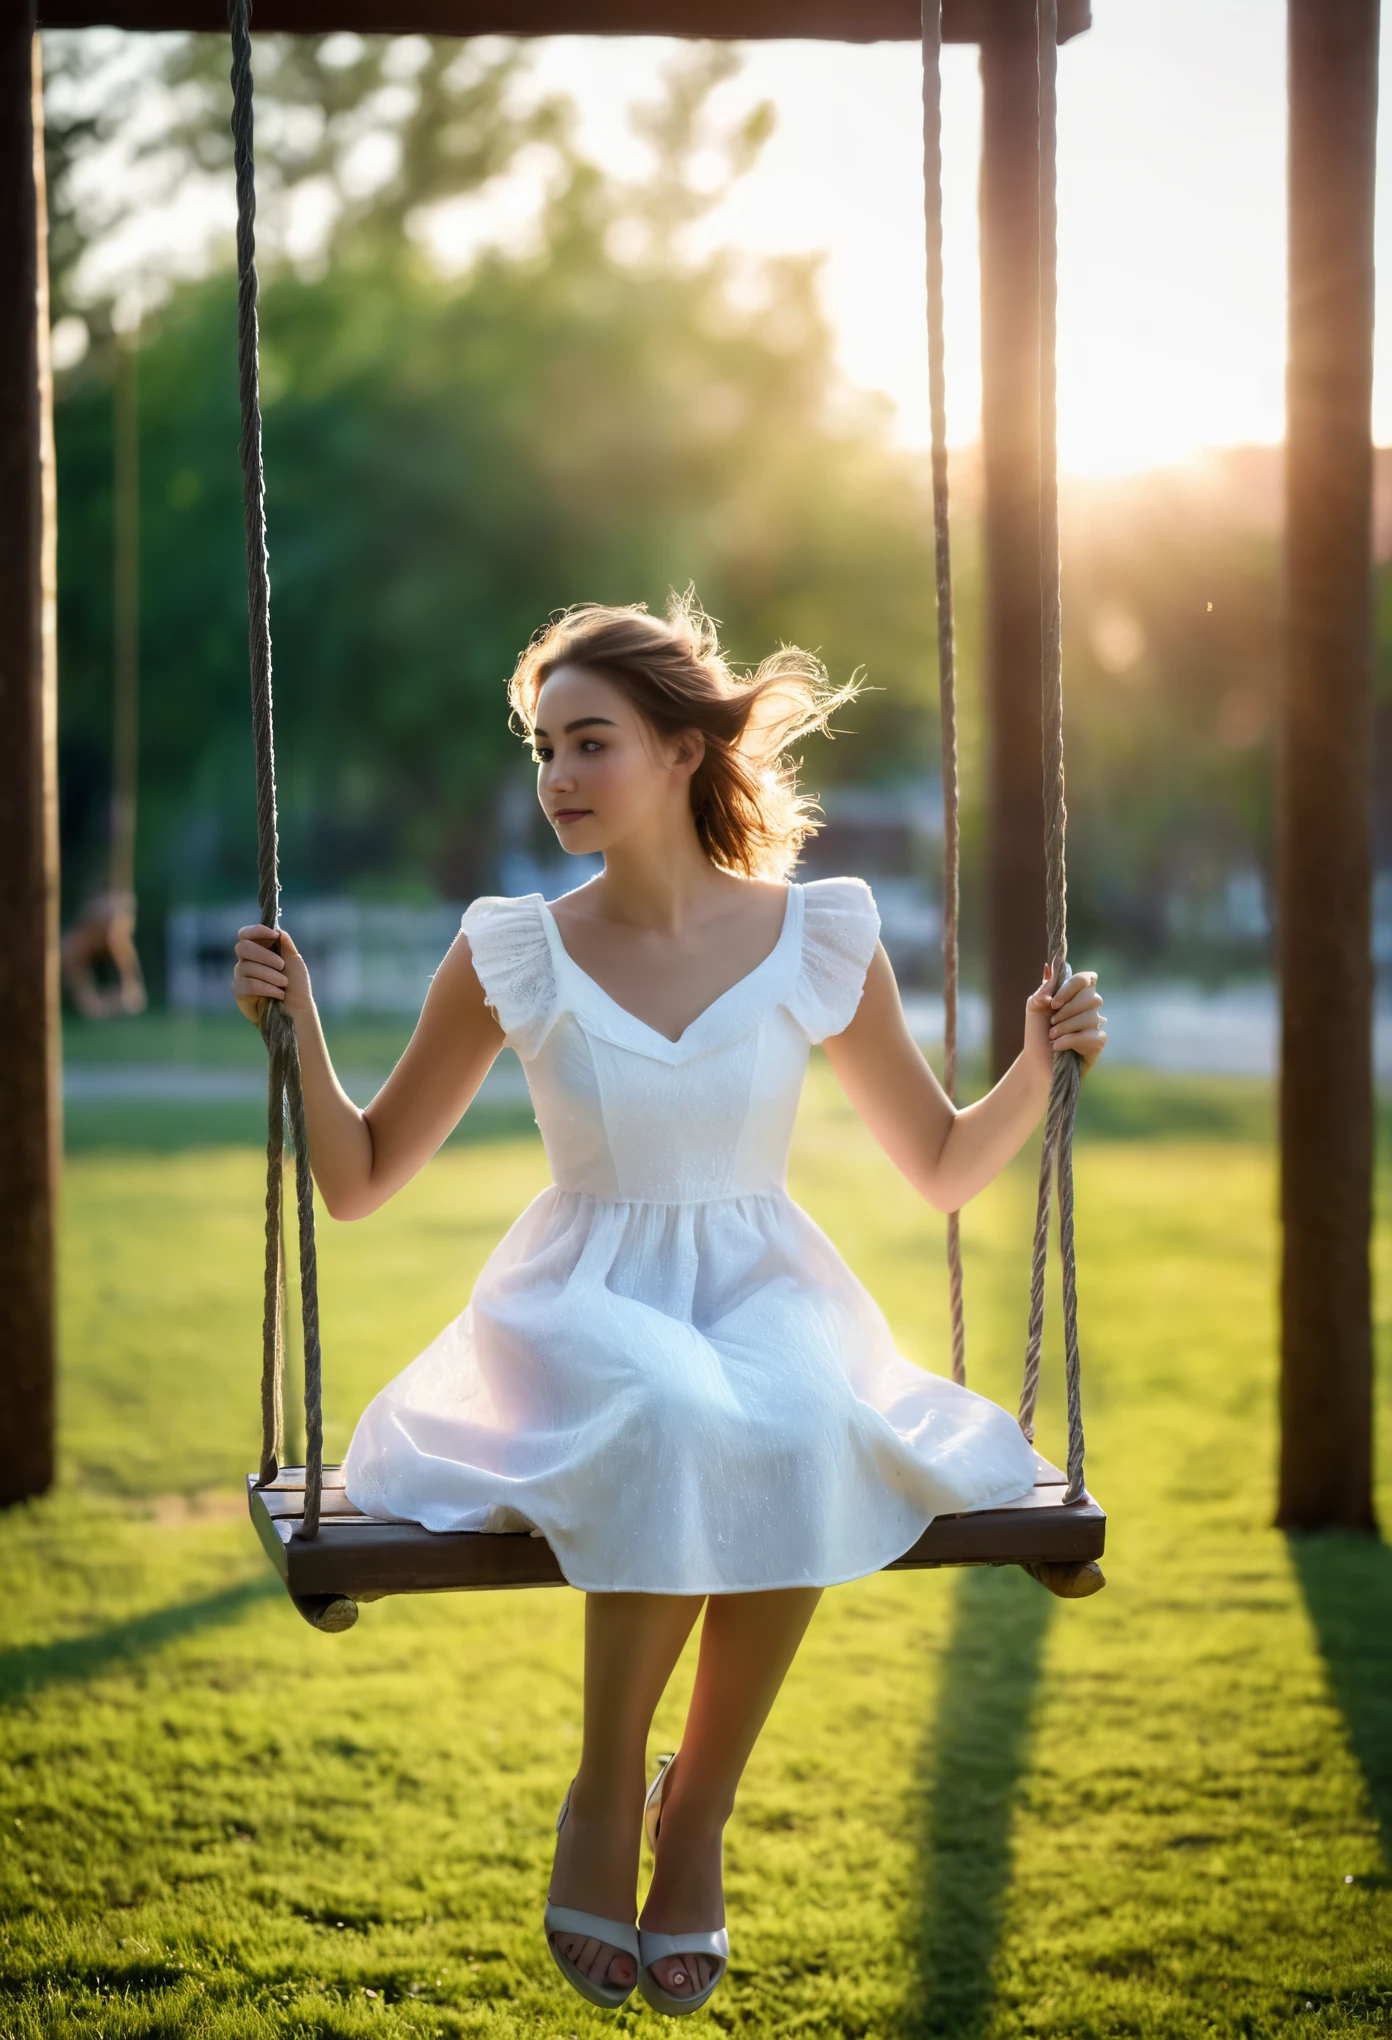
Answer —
(1070, 1018)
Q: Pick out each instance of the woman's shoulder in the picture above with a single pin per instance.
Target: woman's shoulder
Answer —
(512, 961)
(841, 926)
(502, 910)
(845, 895)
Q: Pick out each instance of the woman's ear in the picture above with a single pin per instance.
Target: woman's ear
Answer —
(688, 752)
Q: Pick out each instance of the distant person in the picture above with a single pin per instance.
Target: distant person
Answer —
(665, 1367)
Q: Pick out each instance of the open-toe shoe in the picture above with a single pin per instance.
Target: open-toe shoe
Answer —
(619, 1934)
(714, 1943)
(653, 1947)
(652, 1805)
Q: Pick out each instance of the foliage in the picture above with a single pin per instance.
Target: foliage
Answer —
(1171, 653)
(447, 462)
(595, 415)
(370, 131)
(976, 1812)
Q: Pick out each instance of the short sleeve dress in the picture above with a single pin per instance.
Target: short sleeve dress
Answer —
(665, 1366)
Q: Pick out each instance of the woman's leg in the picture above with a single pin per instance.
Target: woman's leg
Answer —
(632, 1641)
(748, 1642)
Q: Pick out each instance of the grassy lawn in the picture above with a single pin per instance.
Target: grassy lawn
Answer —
(222, 1040)
(976, 1812)
(223, 1045)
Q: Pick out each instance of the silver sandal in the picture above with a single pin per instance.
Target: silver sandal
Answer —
(652, 1805)
(653, 1947)
(564, 1919)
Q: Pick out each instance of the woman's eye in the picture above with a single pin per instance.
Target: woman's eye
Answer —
(592, 744)
(539, 757)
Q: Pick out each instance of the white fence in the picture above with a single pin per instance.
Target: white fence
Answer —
(380, 958)
(362, 958)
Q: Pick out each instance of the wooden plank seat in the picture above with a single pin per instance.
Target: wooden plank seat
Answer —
(364, 1558)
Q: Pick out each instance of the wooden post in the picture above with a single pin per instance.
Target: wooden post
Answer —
(1010, 461)
(28, 783)
(1324, 845)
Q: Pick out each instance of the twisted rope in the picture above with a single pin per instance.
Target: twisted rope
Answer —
(947, 663)
(285, 1096)
(1056, 1152)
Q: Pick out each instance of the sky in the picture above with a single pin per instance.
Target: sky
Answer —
(1171, 210)
(1171, 205)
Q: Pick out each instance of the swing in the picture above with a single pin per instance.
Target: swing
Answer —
(330, 1555)
(98, 957)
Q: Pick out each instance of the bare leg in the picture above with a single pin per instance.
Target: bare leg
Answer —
(632, 1641)
(748, 1641)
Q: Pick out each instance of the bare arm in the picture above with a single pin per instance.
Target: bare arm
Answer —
(361, 1156)
(948, 1155)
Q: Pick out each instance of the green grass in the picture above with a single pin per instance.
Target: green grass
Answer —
(976, 1812)
(222, 1044)
(222, 1041)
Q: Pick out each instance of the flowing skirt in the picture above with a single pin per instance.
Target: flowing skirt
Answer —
(692, 1398)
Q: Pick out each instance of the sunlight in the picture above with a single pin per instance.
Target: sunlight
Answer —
(1172, 322)
(1171, 200)
(1153, 407)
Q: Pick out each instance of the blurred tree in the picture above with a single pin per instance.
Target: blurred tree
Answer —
(1170, 623)
(604, 414)
(606, 417)
(355, 138)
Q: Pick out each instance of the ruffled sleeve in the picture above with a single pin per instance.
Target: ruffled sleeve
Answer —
(840, 927)
(512, 960)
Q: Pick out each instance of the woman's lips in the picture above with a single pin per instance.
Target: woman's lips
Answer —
(570, 814)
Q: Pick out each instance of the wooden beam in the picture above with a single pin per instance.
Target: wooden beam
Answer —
(28, 784)
(965, 21)
(1324, 850)
(1010, 463)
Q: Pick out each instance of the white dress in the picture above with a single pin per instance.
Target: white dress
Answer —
(665, 1367)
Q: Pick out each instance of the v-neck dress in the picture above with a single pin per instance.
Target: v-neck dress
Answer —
(665, 1366)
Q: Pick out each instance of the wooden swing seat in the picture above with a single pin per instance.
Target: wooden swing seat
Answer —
(364, 1558)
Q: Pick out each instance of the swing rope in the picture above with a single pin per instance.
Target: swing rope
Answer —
(947, 654)
(285, 1098)
(1056, 1150)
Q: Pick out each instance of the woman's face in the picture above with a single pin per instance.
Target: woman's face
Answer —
(604, 773)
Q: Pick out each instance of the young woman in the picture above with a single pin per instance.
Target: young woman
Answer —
(665, 1366)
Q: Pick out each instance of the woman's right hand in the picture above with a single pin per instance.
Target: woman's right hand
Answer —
(261, 973)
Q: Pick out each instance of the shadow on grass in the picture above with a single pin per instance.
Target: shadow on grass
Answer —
(1347, 1584)
(33, 1666)
(972, 1760)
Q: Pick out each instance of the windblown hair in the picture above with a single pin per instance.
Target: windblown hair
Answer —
(749, 813)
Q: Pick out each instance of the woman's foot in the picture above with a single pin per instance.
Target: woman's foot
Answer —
(595, 1871)
(687, 1891)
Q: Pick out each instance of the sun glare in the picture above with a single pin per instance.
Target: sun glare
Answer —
(1171, 216)
(1171, 220)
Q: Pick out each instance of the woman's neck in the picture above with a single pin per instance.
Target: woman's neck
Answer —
(660, 886)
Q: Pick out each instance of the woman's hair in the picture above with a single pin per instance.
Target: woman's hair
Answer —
(749, 813)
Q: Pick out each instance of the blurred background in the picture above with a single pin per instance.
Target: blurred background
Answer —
(564, 321)
(594, 320)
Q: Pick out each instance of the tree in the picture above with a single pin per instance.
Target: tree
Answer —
(377, 129)
(448, 460)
